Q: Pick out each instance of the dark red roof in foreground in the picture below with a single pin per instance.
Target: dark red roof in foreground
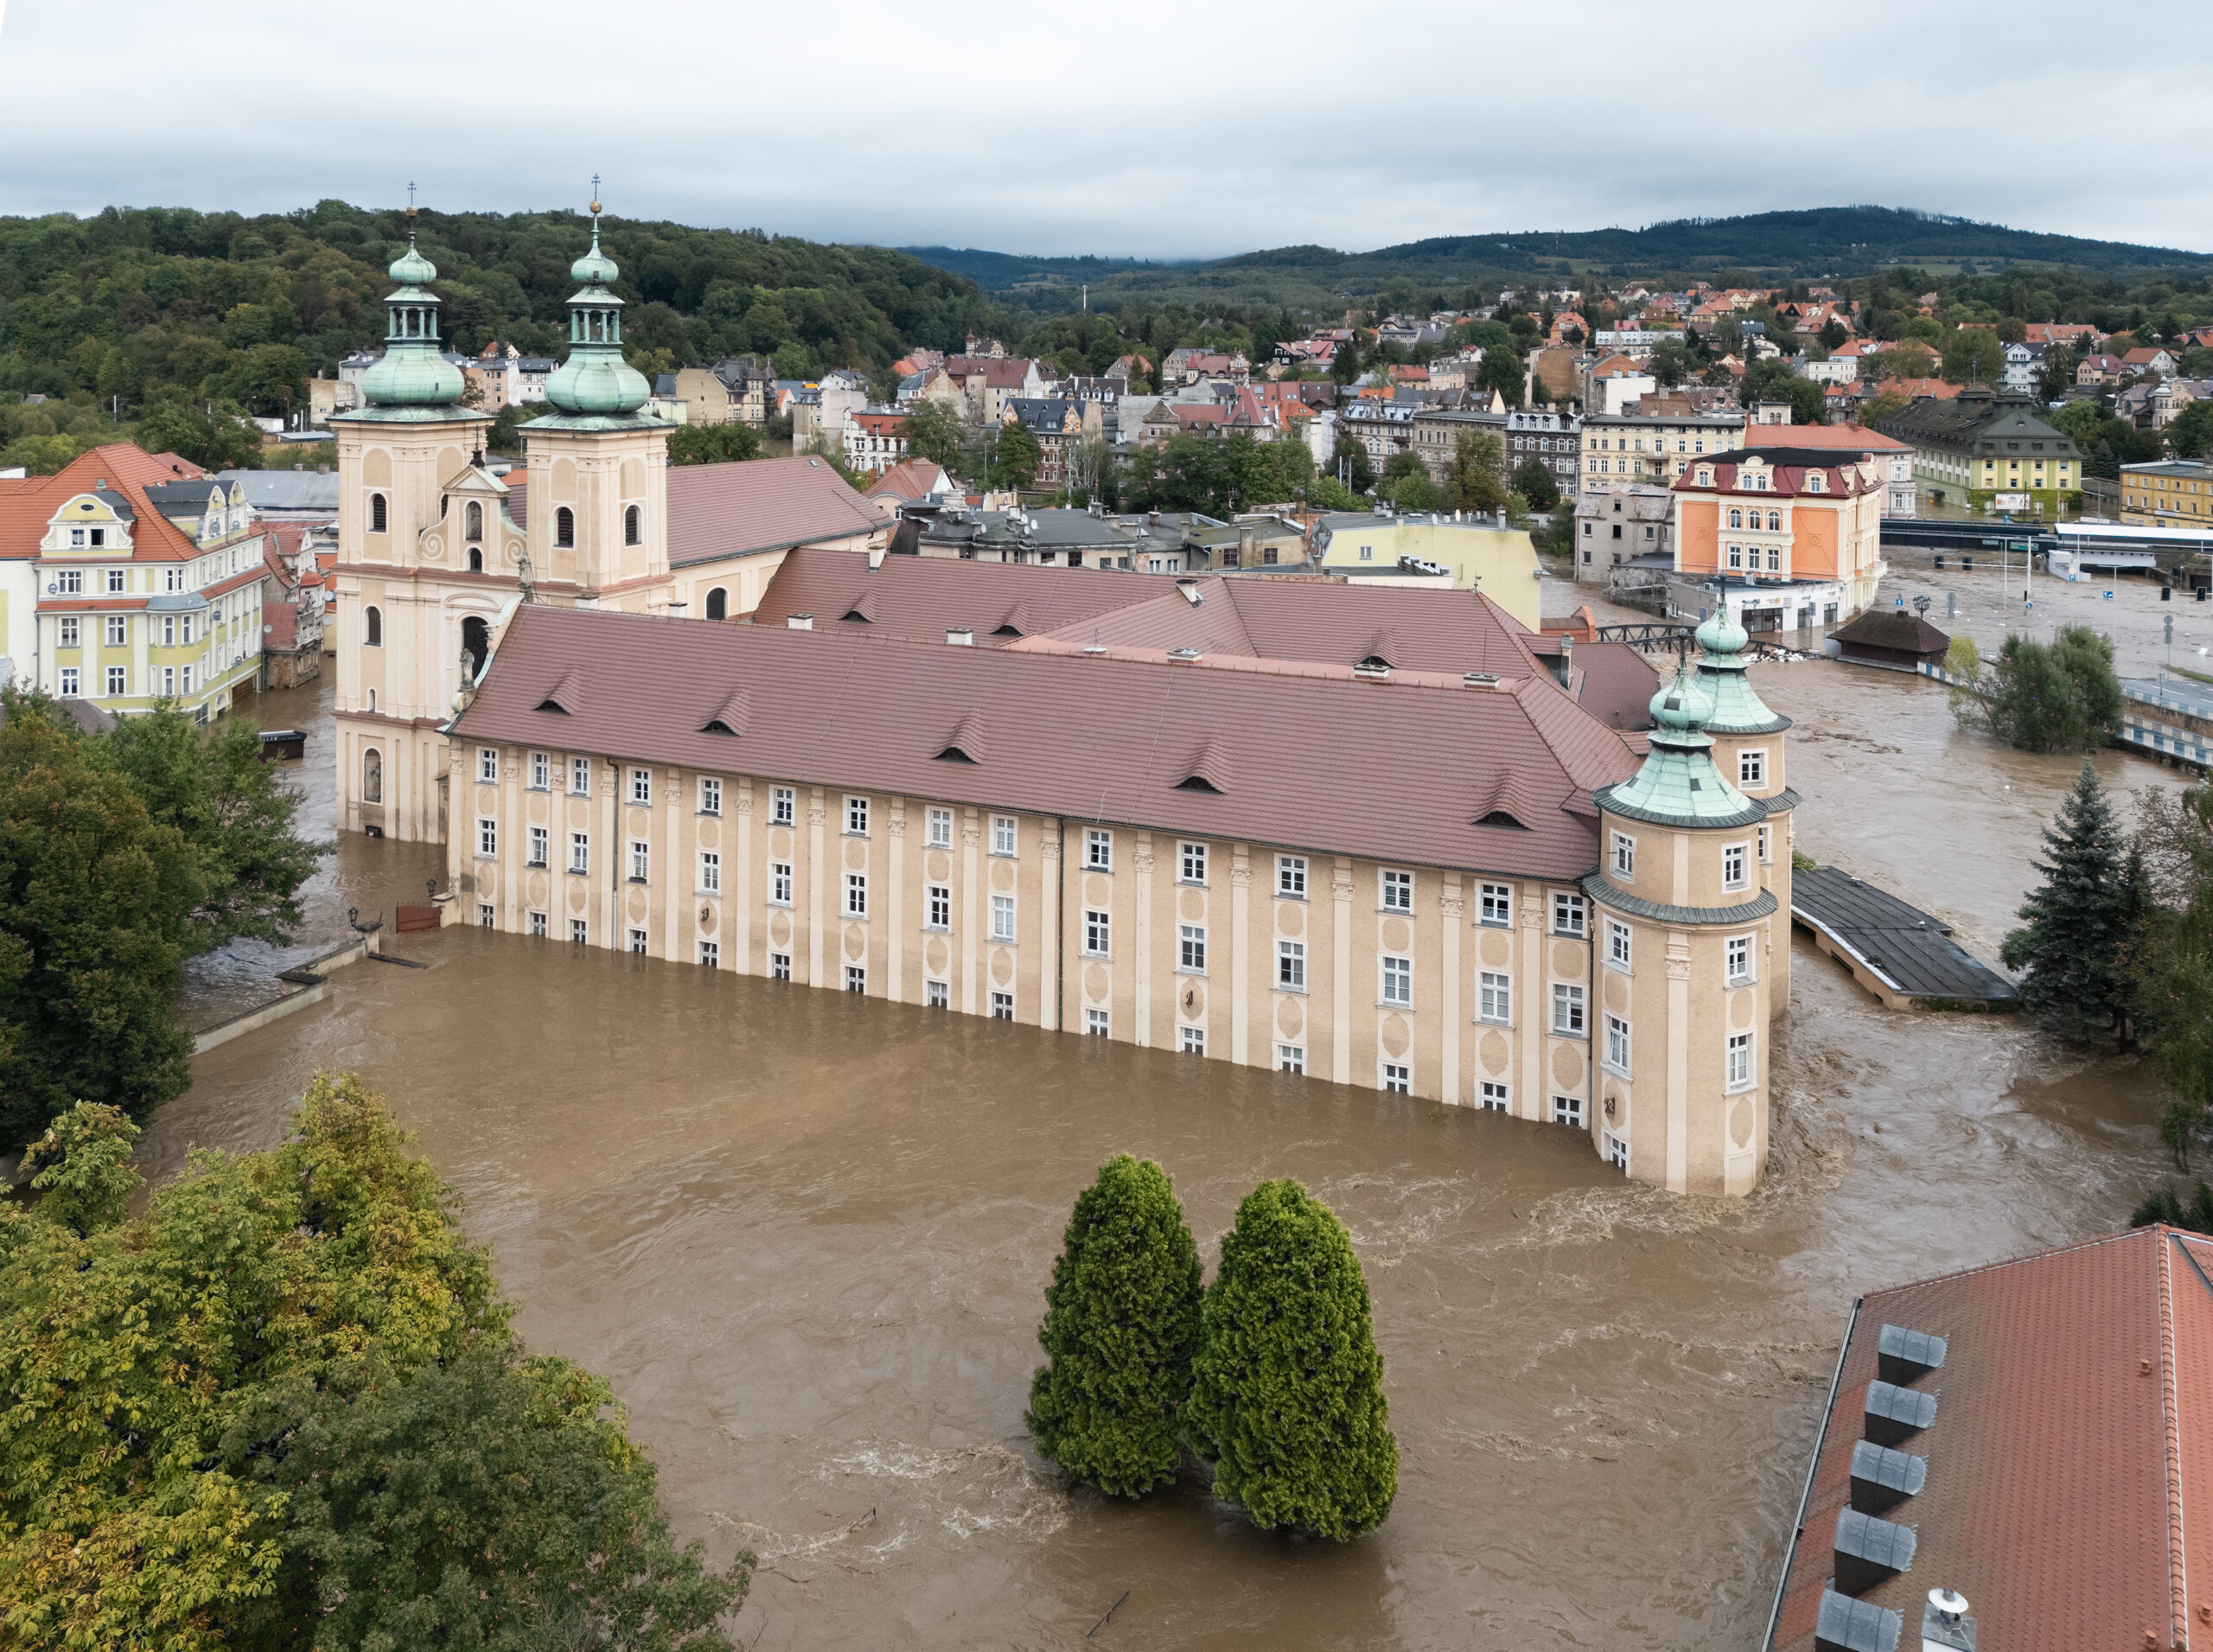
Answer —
(1306, 755)
(2070, 1484)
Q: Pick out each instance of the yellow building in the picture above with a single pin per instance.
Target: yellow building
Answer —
(1500, 562)
(2174, 492)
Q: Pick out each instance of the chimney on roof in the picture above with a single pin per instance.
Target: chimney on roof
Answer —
(1184, 656)
(875, 557)
(1945, 1625)
(1189, 589)
(960, 636)
(799, 622)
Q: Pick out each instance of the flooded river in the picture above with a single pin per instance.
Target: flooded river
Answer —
(807, 1238)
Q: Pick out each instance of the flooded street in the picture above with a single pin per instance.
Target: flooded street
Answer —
(807, 1237)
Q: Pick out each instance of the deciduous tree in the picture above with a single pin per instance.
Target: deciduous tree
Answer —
(714, 443)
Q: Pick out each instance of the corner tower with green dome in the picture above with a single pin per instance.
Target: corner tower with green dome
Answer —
(401, 609)
(598, 464)
(1749, 747)
(1684, 935)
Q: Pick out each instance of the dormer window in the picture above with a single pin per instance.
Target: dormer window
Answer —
(1813, 483)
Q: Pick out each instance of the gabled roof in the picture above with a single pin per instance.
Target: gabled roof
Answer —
(120, 470)
(754, 505)
(922, 598)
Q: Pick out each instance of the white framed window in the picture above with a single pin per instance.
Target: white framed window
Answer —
(1567, 1010)
(68, 636)
(1098, 850)
(857, 817)
(1567, 915)
(1751, 767)
(70, 582)
(539, 846)
(783, 809)
(118, 683)
(1617, 1151)
(857, 895)
(1003, 834)
(856, 978)
(1736, 871)
(780, 883)
(1290, 967)
(1568, 1110)
(1002, 1006)
(937, 829)
(1397, 891)
(1738, 952)
(711, 796)
(1617, 944)
(641, 860)
(1494, 997)
(1496, 905)
(486, 914)
(780, 966)
(1191, 863)
(580, 853)
(1290, 1058)
(1738, 1073)
(579, 932)
(1398, 1078)
(69, 682)
(541, 772)
(937, 906)
(1002, 917)
(642, 785)
(117, 630)
(487, 838)
(1098, 933)
(1195, 1041)
(1617, 1055)
(1492, 1096)
(1624, 859)
(185, 672)
(1192, 956)
(711, 872)
(1095, 1023)
(580, 776)
(1291, 876)
(937, 995)
(1398, 982)
(710, 955)
(488, 766)
(538, 924)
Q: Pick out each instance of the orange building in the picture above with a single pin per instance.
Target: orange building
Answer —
(1797, 530)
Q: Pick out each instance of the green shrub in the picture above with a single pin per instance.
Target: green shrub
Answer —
(1287, 1396)
(1121, 1326)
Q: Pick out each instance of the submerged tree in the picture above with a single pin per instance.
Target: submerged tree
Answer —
(2078, 927)
(2061, 698)
(1287, 1395)
(1121, 1327)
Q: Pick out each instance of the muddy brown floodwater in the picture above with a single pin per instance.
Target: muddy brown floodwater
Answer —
(807, 1237)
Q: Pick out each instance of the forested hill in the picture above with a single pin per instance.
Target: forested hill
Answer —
(158, 304)
(1001, 272)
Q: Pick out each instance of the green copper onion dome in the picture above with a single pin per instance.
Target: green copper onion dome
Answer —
(1722, 635)
(413, 373)
(1722, 670)
(1682, 708)
(1678, 784)
(595, 380)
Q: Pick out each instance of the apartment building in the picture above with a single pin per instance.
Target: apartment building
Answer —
(2172, 493)
(1980, 444)
(1620, 448)
(1793, 535)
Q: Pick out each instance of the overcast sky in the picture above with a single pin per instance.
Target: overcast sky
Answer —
(1161, 130)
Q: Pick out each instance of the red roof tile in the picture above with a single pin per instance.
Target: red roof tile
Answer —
(29, 504)
(755, 505)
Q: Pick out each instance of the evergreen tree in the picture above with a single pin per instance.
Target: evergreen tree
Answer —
(1121, 1327)
(1287, 1396)
(2164, 1204)
(2076, 930)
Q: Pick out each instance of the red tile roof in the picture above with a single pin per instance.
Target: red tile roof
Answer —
(1855, 438)
(28, 506)
(833, 709)
(911, 479)
(751, 505)
(921, 598)
(2070, 1485)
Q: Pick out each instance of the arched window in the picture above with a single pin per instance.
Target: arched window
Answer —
(1774, 521)
(376, 513)
(564, 526)
(475, 559)
(476, 643)
(373, 701)
(718, 604)
(372, 627)
(372, 775)
(1736, 518)
(630, 525)
(474, 519)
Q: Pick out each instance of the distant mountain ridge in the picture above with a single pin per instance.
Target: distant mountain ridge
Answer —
(1813, 242)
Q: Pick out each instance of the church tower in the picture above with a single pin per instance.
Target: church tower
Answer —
(1748, 748)
(598, 467)
(1686, 934)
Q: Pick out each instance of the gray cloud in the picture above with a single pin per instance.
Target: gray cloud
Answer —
(1163, 130)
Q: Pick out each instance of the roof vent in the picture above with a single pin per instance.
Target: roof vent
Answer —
(1095, 648)
(1903, 1356)
(799, 622)
(1190, 591)
(1869, 1550)
(1945, 1625)
(1479, 679)
(960, 636)
(1207, 770)
(1895, 1415)
(731, 717)
(565, 696)
(966, 744)
(1882, 1478)
(1372, 669)
(1844, 1624)
(1185, 656)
